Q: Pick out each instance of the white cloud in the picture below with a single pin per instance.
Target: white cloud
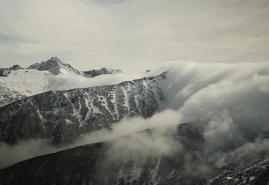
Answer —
(134, 35)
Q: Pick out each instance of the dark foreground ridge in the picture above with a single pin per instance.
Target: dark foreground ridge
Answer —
(91, 164)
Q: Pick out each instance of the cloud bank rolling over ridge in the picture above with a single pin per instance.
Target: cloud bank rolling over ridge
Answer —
(229, 102)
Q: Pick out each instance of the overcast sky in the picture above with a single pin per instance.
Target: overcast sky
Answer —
(133, 35)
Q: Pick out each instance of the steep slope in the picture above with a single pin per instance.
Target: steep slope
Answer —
(63, 115)
(93, 164)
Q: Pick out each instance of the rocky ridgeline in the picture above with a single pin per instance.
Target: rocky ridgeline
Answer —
(5, 71)
(15, 84)
(63, 115)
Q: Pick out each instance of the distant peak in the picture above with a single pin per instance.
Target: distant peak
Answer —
(54, 60)
(54, 65)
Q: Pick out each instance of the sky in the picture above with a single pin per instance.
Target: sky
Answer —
(133, 35)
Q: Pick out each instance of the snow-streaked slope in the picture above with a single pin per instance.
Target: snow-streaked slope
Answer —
(63, 115)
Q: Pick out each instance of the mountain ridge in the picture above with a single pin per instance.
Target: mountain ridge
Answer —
(158, 170)
(40, 77)
(66, 114)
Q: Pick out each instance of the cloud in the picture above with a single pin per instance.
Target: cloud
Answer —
(24, 150)
(71, 81)
(129, 130)
(134, 35)
(228, 100)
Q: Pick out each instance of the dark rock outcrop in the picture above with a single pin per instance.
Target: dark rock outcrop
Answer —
(102, 71)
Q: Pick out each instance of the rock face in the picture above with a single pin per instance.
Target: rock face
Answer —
(54, 66)
(63, 115)
(97, 72)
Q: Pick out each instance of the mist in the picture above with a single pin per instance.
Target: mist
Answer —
(10, 154)
(70, 81)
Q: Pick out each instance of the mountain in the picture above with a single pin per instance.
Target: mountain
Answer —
(62, 116)
(102, 71)
(225, 140)
(17, 82)
(91, 164)
(55, 66)
(6, 71)
(95, 164)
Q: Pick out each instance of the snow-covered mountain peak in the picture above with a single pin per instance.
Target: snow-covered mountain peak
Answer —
(55, 66)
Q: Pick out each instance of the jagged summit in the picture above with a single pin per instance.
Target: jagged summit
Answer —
(52, 74)
(97, 72)
(54, 65)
